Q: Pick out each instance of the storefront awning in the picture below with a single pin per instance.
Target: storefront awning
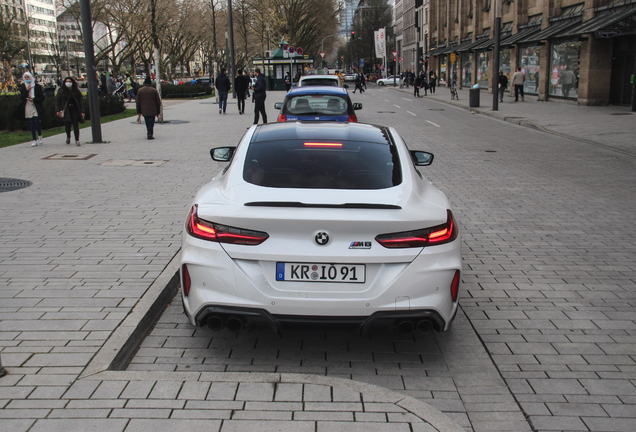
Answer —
(515, 38)
(469, 46)
(437, 51)
(603, 25)
(555, 30)
(461, 47)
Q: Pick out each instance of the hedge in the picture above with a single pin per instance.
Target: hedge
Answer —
(185, 89)
(108, 105)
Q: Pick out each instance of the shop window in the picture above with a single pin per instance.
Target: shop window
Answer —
(529, 62)
(564, 69)
(467, 70)
(483, 69)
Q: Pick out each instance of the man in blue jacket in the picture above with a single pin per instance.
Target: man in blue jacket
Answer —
(222, 84)
(259, 96)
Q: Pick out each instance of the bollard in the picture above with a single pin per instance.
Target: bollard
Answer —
(3, 371)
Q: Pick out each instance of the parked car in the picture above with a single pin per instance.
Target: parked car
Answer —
(321, 223)
(388, 81)
(317, 103)
(320, 80)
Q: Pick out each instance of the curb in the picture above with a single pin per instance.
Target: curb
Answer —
(124, 342)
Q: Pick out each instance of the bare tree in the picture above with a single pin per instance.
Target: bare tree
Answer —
(13, 46)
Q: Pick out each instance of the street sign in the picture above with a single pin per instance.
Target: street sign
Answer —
(291, 49)
(395, 53)
(322, 55)
(285, 47)
(299, 51)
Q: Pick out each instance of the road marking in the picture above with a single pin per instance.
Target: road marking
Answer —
(410, 100)
(386, 100)
(434, 124)
(413, 114)
(397, 106)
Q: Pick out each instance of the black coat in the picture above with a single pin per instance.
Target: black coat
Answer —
(65, 97)
(241, 83)
(259, 87)
(222, 83)
(37, 100)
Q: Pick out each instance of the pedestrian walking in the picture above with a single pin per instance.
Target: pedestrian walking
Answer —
(31, 108)
(358, 83)
(148, 105)
(416, 86)
(424, 83)
(223, 87)
(503, 85)
(259, 95)
(518, 78)
(69, 105)
(432, 82)
(287, 80)
(111, 86)
(241, 87)
(130, 88)
(102, 82)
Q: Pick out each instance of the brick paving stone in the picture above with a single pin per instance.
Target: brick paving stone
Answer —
(79, 425)
(172, 425)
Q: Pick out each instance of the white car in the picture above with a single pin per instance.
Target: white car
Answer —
(321, 223)
(388, 81)
(322, 80)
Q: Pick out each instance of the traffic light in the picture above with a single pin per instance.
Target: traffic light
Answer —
(353, 35)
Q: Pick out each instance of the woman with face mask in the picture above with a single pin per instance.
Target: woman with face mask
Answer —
(31, 107)
(69, 104)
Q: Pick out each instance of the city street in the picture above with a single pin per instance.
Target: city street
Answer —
(544, 340)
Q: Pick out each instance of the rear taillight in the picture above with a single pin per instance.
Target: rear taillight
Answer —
(185, 276)
(455, 286)
(282, 117)
(210, 231)
(433, 236)
(353, 118)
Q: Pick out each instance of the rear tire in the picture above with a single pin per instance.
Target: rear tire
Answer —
(380, 83)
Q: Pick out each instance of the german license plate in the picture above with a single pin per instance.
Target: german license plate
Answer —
(307, 272)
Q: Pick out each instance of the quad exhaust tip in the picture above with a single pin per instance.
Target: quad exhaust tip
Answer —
(233, 324)
(407, 327)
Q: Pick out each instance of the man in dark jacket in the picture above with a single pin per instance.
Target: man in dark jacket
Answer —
(259, 96)
(241, 84)
(148, 105)
(223, 87)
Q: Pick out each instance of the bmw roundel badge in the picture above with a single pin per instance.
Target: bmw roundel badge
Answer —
(322, 238)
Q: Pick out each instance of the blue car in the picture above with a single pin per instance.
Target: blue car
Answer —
(317, 103)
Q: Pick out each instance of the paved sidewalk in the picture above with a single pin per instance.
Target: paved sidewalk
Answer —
(84, 246)
(79, 251)
(611, 126)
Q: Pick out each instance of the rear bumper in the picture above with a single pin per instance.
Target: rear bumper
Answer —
(237, 318)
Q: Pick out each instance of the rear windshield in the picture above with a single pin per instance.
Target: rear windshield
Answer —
(301, 164)
(320, 82)
(316, 104)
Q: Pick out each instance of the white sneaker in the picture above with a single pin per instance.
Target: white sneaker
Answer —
(40, 140)
(35, 143)
(77, 143)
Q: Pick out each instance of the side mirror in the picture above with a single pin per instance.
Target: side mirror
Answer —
(421, 158)
(278, 105)
(357, 106)
(222, 154)
(345, 86)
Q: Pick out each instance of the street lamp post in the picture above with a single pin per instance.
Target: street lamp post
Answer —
(232, 71)
(495, 66)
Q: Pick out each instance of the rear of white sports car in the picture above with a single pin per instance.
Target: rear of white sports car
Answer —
(315, 224)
